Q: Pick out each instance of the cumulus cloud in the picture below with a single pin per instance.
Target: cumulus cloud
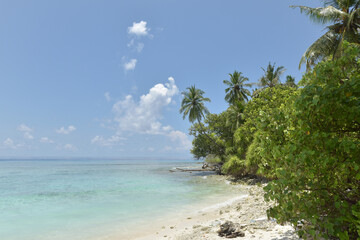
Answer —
(69, 147)
(181, 138)
(9, 143)
(27, 135)
(26, 130)
(109, 142)
(130, 65)
(46, 140)
(143, 116)
(139, 29)
(67, 130)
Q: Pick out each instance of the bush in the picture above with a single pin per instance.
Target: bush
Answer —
(315, 152)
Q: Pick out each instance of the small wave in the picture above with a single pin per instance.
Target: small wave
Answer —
(223, 204)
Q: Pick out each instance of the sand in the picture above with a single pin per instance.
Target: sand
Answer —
(247, 209)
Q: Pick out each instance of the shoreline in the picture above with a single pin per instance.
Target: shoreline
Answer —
(247, 209)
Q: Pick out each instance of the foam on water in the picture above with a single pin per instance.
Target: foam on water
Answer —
(82, 199)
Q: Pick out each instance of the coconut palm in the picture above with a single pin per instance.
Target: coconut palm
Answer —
(192, 106)
(236, 90)
(344, 17)
(235, 115)
(290, 81)
(271, 76)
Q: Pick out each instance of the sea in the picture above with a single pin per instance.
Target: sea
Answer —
(78, 199)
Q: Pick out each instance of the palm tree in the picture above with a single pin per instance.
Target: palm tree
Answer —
(235, 115)
(271, 76)
(344, 17)
(192, 106)
(236, 90)
(290, 81)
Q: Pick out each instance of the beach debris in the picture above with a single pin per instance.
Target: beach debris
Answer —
(216, 223)
(230, 230)
(204, 229)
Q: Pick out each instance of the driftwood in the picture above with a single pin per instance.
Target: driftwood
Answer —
(190, 170)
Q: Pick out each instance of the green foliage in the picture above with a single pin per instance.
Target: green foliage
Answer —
(236, 91)
(271, 76)
(234, 166)
(315, 151)
(212, 137)
(306, 140)
(212, 159)
(344, 17)
(290, 81)
(192, 105)
(247, 139)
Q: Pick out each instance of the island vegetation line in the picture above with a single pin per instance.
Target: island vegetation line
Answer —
(304, 137)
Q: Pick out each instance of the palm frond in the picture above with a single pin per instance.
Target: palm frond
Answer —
(322, 14)
(322, 47)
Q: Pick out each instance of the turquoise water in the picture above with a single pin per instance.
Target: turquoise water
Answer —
(83, 199)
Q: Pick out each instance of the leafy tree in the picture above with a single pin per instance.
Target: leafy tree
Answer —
(220, 136)
(271, 76)
(236, 90)
(269, 104)
(247, 159)
(312, 145)
(344, 17)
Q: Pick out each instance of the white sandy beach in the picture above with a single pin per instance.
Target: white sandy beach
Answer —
(248, 210)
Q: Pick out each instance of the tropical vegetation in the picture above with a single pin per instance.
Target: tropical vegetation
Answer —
(304, 138)
(344, 19)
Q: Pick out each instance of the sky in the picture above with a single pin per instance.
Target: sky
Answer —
(91, 78)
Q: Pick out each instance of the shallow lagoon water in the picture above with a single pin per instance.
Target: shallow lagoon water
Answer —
(92, 198)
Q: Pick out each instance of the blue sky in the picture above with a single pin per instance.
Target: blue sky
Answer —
(103, 78)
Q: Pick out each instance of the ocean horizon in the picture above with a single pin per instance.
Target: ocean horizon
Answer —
(95, 198)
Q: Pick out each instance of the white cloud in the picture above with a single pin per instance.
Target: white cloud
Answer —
(144, 116)
(107, 96)
(69, 147)
(139, 29)
(26, 130)
(109, 142)
(9, 143)
(46, 140)
(130, 65)
(67, 130)
(27, 135)
(181, 138)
